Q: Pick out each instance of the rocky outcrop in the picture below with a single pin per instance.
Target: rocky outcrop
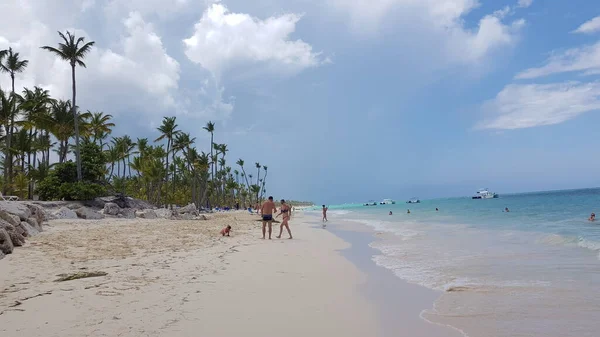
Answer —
(88, 214)
(65, 213)
(18, 221)
(110, 208)
(121, 201)
(146, 214)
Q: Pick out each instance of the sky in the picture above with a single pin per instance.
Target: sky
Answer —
(343, 100)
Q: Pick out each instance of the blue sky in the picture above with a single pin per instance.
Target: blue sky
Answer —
(345, 100)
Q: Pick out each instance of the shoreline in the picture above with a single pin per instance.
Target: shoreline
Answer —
(181, 278)
(400, 304)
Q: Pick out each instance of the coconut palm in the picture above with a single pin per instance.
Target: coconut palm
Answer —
(12, 64)
(73, 50)
(100, 127)
(210, 127)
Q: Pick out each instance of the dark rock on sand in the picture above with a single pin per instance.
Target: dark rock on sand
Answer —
(6, 245)
(10, 218)
(110, 208)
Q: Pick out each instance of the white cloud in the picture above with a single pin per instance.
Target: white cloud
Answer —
(520, 106)
(585, 59)
(591, 26)
(439, 20)
(223, 40)
(525, 3)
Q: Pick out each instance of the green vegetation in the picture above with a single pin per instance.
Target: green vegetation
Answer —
(167, 170)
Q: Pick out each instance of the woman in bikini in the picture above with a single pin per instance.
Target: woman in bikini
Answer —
(286, 211)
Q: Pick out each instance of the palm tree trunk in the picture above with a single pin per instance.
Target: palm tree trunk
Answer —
(76, 123)
(10, 133)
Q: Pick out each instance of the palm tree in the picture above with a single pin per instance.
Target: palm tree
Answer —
(258, 167)
(264, 182)
(168, 131)
(7, 109)
(12, 65)
(72, 52)
(100, 127)
(210, 127)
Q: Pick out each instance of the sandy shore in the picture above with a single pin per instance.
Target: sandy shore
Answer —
(181, 278)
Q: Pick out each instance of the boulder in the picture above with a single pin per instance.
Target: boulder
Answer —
(17, 239)
(6, 226)
(127, 213)
(2, 255)
(38, 213)
(146, 214)
(16, 208)
(6, 245)
(29, 229)
(191, 209)
(110, 208)
(88, 214)
(19, 230)
(35, 224)
(163, 213)
(65, 213)
(121, 201)
(10, 218)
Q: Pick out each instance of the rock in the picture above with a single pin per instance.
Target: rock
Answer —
(29, 229)
(88, 214)
(127, 213)
(6, 245)
(163, 213)
(38, 213)
(17, 239)
(111, 208)
(65, 213)
(185, 216)
(19, 230)
(16, 208)
(6, 226)
(146, 214)
(121, 201)
(2, 255)
(35, 224)
(191, 209)
(10, 218)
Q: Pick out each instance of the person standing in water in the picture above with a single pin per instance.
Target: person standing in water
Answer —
(267, 210)
(325, 213)
(287, 215)
(592, 217)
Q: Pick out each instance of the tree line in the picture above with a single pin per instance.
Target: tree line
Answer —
(167, 170)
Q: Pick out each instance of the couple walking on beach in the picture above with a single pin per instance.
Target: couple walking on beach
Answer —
(267, 209)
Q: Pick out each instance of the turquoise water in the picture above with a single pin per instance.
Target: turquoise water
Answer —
(534, 271)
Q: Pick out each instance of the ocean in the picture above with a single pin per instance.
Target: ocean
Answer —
(533, 271)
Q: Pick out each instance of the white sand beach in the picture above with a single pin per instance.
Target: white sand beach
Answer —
(181, 278)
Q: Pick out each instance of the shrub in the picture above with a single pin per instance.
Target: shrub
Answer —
(61, 182)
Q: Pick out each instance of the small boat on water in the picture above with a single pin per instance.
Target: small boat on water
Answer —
(387, 202)
(485, 194)
(414, 201)
(370, 203)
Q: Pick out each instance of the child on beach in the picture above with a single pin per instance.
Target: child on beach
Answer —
(225, 231)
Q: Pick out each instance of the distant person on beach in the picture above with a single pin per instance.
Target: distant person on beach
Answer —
(267, 210)
(592, 217)
(225, 231)
(408, 211)
(287, 214)
(325, 213)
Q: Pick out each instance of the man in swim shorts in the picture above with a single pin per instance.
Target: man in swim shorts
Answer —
(267, 210)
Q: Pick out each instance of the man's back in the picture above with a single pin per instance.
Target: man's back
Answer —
(268, 207)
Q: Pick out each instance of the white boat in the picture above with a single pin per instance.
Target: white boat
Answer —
(414, 201)
(485, 194)
(387, 202)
